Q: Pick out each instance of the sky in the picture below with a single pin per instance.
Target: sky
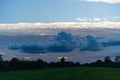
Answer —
(31, 11)
(83, 30)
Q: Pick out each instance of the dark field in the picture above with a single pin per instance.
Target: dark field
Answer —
(70, 73)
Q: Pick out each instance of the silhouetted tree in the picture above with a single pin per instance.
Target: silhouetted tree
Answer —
(107, 59)
(41, 63)
(16, 64)
(97, 63)
(1, 59)
(62, 60)
(117, 59)
(77, 64)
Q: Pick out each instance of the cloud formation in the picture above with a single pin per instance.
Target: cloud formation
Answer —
(84, 19)
(99, 19)
(91, 44)
(64, 25)
(33, 48)
(96, 19)
(29, 47)
(63, 42)
(105, 1)
(111, 43)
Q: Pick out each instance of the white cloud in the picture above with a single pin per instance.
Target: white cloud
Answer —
(20, 26)
(85, 19)
(52, 28)
(99, 19)
(96, 19)
(105, 1)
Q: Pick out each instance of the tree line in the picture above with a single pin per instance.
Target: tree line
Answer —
(17, 64)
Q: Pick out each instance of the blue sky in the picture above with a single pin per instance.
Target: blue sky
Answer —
(17, 11)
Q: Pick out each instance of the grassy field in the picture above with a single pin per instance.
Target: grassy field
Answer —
(73, 73)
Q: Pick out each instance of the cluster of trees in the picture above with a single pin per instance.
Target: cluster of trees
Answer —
(16, 64)
(106, 63)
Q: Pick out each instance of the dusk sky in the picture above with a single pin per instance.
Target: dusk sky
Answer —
(82, 30)
(30, 11)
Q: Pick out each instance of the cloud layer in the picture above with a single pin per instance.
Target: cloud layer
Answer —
(99, 19)
(29, 47)
(63, 42)
(63, 25)
(111, 43)
(53, 28)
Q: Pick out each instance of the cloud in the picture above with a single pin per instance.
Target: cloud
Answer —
(29, 47)
(14, 47)
(96, 19)
(33, 48)
(65, 37)
(115, 54)
(57, 47)
(20, 26)
(105, 1)
(111, 43)
(85, 19)
(91, 44)
(63, 42)
(99, 19)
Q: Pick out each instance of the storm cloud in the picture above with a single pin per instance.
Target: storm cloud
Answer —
(91, 44)
(29, 48)
(62, 42)
(111, 43)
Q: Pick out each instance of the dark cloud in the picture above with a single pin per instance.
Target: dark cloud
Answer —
(59, 48)
(63, 42)
(67, 37)
(14, 47)
(29, 48)
(91, 44)
(33, 48)
(115, 54)
(111, 43)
